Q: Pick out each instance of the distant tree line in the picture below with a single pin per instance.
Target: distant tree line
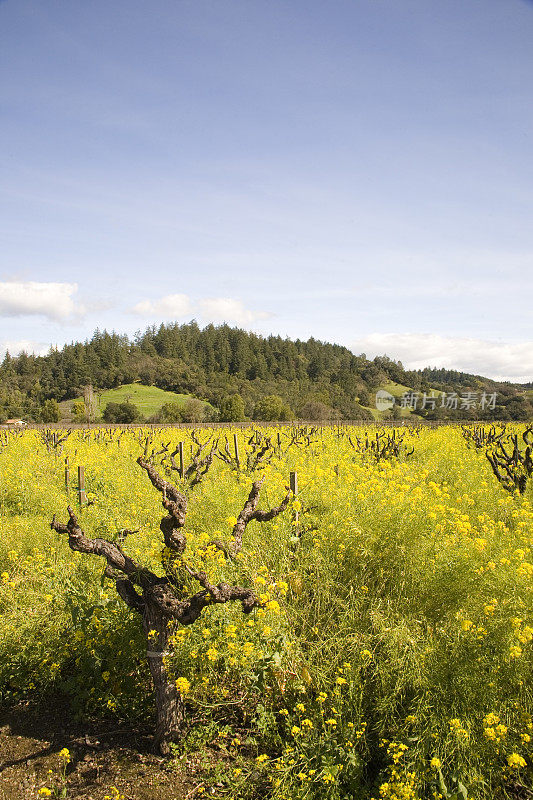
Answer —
(241, 375)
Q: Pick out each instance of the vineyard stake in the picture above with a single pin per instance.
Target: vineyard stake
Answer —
(237, 459)
(82, 498)
(180, 451)
(294, 489)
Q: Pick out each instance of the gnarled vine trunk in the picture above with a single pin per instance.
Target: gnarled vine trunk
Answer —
(162, 599)
(169, 703)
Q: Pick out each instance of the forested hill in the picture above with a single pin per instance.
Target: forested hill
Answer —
(235, 371)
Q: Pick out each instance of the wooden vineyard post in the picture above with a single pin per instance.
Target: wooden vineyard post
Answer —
(67, 475)
(294, 490)
(236, 444)
(180, 453)
(294, 483)
(82, 498)
(336, 470)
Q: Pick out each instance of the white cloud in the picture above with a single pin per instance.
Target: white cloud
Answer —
(51, 300)
(226, 309)
(14, 347)
(214, 309)
(512, 361)
(172, 306)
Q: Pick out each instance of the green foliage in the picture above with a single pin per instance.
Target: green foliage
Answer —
(50, 411)
(171, 412)
(14, 404)
(78, 411)
(316, 411)
(122, 413)
(193, 410)
(148, 399)
(272, 409)
(232, 409)
(217, 363)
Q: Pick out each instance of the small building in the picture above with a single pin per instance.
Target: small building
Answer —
(15, 422)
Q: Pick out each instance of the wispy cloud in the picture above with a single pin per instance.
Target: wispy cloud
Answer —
(14, 347)
(511, 361)
(55, 301)
(211, 309)
(227, 309)
(172, 306)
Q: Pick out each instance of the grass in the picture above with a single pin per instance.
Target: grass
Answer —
(148, 399)
(397, 390)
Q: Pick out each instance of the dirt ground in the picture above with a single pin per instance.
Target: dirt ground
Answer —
(102, 757)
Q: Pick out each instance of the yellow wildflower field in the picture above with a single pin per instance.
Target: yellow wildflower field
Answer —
(390, 652)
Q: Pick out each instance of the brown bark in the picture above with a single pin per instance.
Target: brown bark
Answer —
(169, 703)
(159, 600)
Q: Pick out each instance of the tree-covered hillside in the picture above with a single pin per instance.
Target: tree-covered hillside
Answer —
(240, 374)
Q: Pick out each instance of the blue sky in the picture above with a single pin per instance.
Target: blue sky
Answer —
(355, 170)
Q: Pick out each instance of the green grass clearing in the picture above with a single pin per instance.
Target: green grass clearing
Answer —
(148, 399)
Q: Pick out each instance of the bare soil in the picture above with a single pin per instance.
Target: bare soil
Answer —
(103, 756)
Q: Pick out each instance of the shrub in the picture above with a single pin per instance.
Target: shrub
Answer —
(50, 411)
(171, 412)
(78, 411)
(193, 410)
(232, 409)
(272, 409)
(315, 410)
(121, 413)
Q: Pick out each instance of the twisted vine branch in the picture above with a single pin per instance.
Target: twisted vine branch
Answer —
(159, 599)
